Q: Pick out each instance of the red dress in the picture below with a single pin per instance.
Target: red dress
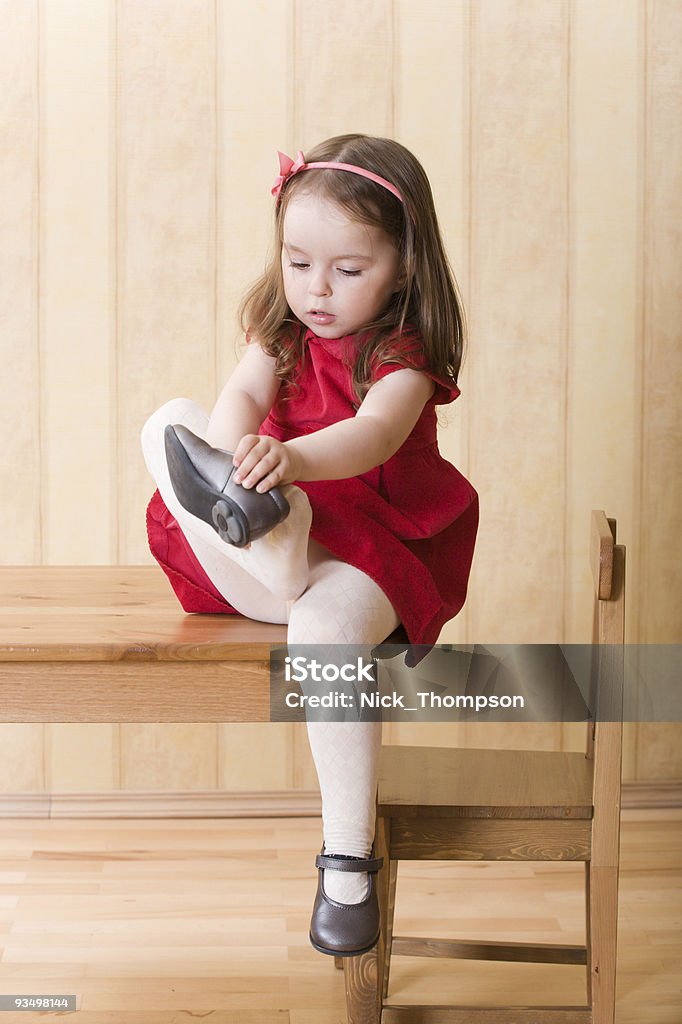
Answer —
(410, 524)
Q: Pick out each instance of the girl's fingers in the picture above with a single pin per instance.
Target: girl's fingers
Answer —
(246, 457)
(253, 469)
(246, 444)
(268, 481)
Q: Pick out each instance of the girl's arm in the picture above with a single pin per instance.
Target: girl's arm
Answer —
(353, 446)
(245, 400)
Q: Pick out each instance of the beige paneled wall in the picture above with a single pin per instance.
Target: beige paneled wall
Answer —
(603, 259)
(77, 304)
(659, 363)
(166, 133)
(518, 252)
(139, 143)
(20, 381)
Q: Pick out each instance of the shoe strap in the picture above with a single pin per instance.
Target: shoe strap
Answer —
(337, 863)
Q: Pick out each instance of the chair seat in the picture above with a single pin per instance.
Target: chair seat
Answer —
(447, 782)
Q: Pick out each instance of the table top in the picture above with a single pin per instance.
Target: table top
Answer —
(116, 613)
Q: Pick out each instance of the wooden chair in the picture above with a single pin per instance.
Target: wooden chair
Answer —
(466, 804)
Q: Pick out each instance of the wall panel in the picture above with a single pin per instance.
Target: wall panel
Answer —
(661, 366)
(604, 335)
(254, 120)
(659, 753)
(255, 756)
(343, 69)
(22, 767)
(21, 518)
(168, 757)
(519, 146)
(82, 757)
(77, 298)
(165, 196)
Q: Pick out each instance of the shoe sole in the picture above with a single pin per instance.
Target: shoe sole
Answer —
(200, 499)
(340, 952)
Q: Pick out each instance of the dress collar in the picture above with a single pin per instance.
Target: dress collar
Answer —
(341, 348)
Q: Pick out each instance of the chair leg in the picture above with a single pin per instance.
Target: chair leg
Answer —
(382, 846)
(364, 974)
(588, 937)
(387, 924)
(360, 974)
(602, 940)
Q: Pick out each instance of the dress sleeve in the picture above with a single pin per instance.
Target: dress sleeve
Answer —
(411, 355)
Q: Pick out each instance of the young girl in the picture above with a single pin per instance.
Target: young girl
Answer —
(325, 436)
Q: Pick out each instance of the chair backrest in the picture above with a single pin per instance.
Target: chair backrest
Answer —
(607, 560)
(608, 571)
(605, 735)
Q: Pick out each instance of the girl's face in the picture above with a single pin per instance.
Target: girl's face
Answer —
(339, 274)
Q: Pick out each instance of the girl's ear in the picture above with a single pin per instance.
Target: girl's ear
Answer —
(400, 282)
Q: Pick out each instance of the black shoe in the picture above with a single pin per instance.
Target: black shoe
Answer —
(345, 929)
(202, 478)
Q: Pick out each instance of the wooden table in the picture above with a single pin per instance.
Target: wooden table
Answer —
(112, 644)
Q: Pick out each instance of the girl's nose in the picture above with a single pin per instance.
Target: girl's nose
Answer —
(319, 284)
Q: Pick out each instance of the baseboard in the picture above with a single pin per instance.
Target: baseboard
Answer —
(651, 794)
(272, 804)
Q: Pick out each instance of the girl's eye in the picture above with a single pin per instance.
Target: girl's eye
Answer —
(298, 266)
(350, 273)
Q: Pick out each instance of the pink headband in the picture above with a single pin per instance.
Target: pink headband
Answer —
(289, 167)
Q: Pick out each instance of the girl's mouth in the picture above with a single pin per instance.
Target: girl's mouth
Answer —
(320, 317)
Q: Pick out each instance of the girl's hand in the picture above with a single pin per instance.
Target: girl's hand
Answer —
(264, 462)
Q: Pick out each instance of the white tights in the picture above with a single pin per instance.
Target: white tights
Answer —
(286, 576)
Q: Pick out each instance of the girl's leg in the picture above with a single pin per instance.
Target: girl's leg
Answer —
(247, 595)
(343, 606)
(279, 560)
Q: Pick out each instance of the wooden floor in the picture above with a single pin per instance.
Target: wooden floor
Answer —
(173, 921)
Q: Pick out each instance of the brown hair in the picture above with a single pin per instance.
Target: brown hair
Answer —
(429, 299)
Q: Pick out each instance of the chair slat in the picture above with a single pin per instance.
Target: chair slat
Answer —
(395, 1014)
(466, 949)
(480, 839)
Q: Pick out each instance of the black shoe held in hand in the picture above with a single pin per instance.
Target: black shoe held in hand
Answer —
(202, 478)
(345, 929)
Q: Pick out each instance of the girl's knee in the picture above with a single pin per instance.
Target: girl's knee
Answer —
(305, 627)
(342, 605)
(177, 410)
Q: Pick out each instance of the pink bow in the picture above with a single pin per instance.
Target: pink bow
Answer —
(287, 168)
